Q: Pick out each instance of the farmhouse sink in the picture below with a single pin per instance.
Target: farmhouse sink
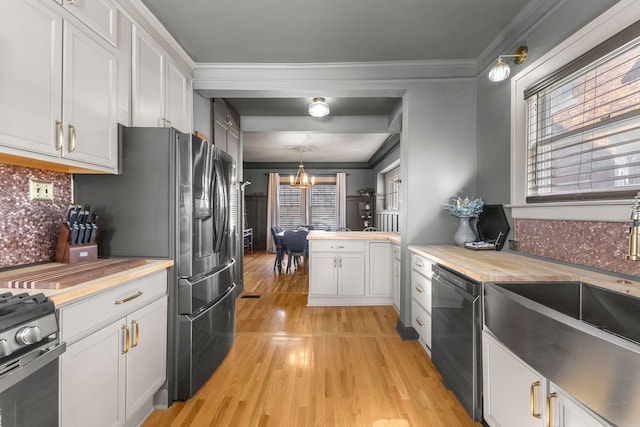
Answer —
(583, 338)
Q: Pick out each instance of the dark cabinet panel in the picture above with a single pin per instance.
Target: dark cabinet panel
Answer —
(256, 211)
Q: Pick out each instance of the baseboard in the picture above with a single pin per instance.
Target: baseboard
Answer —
(406, 332)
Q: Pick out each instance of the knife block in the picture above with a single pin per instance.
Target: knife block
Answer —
(71, 254)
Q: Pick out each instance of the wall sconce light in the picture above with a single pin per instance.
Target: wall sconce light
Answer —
(501, 71)
(319, 107)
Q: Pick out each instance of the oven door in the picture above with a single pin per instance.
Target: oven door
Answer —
(29, 388)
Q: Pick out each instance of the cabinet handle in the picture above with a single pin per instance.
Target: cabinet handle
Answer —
(532, 399)
(129, 298)
(127, 339)
(60, 135)
(72, 136)
(335, 262)
(340, 264)
(166, 123)
(549, 408)
(419, 264)
(419, 322)
(71, 1)
(419, 289)
(229, 122)
(136, 334)
(337, 247)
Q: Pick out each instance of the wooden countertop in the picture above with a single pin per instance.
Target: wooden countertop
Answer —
(67, 295)
(352, 235)
(496, 266)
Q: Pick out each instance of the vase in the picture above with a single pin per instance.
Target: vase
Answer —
(466, 232)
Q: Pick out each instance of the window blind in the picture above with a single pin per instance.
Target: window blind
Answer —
(323, 205)
(290, 209)
(583, 126)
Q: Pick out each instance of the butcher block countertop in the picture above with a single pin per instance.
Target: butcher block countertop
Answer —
(61, 292)
(496, 266)
(353, 235)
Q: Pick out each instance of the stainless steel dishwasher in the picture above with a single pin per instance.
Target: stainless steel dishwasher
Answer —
(456, 336)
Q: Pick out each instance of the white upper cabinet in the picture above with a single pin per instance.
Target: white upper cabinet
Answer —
(161, 91)
(58, 89)
(100, 15)
(31, 77)
(89, 102)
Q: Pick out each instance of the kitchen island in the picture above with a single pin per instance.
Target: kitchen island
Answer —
(350, 268)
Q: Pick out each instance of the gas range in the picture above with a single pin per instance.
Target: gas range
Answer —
(26, 321)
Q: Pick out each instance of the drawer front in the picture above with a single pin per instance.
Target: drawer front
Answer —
(80, 318)
(337, 245)
(396, 251)
(421, 264)
(421, 322)
(421, 290)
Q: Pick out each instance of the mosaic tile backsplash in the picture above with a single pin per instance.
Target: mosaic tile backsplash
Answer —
(29, 230)
(601, 245)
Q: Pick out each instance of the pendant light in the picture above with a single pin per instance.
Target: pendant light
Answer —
(302, 178)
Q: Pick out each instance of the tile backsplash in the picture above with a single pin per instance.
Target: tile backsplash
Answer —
(29, 230)
(601, 245)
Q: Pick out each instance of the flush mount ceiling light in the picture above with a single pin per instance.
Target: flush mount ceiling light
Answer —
(302, 179)
(501, 71)
(319, 107)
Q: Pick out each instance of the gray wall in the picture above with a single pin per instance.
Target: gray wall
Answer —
(494, 99)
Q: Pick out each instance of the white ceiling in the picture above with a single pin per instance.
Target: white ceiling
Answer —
(305, 31)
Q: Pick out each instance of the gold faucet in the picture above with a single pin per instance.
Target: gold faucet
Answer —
(634, 231)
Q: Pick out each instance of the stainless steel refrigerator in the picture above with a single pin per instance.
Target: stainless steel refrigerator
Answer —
(173, 200)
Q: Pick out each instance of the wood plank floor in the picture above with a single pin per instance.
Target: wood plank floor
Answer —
(293, 365)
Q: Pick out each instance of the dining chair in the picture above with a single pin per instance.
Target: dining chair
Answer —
(343, 229)
(370, 229)
(295, 246)
(276, 234)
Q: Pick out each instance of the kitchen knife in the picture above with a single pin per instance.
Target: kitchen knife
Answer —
(72, 208)
(74, 233)
(94, 228)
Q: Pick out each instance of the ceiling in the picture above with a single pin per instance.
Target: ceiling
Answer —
(304, 31)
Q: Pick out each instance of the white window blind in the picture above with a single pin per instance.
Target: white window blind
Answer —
(583, 126)
(321, 200)
(290, 209)
(323, 205)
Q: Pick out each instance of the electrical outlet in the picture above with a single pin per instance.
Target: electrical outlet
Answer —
(514, 245)
(40, 191)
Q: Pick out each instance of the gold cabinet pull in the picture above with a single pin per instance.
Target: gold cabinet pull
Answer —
(71, 1)
(136, 334)
(549, 408)
(419, 264)
(337, 247)
(419, 289)
(127, 339)
(532, 399)
(129, 298)
(419, 322)
(72, 136)
(335, 262)
(340, 263)
(60, 135)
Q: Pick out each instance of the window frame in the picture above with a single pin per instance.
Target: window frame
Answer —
(306, 210)
(619, 16)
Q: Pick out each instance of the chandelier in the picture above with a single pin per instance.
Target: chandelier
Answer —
(302, 178)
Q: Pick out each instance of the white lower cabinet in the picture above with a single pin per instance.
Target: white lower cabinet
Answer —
(421, 296)
(516, 395)
(395, 280)
(113, 367)
(349, 272)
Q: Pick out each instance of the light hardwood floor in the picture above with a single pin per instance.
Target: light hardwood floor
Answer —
(293, 365)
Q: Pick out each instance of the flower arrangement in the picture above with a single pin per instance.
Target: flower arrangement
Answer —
(460, 207)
